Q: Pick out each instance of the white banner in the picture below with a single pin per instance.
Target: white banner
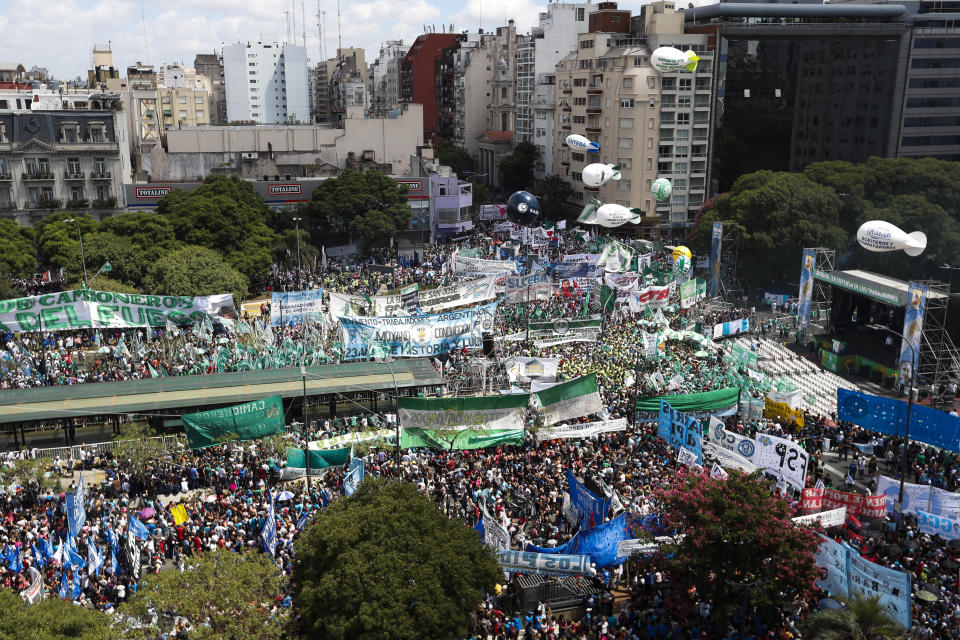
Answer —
(784, 458)
(34, 592)
(492, 212)
(687, 458)
(525, 370)
(348, 439)
(342, 305)
(478, 267)
(718, 473)
(625, 282)
(793, 399)
(652, 297)
(458, 295)
(827, 519)
(585, 430)
(536, 286)
(494, 533)
(734, 442)
(635, 545)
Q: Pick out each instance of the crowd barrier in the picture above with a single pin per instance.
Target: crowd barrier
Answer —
(99, 448)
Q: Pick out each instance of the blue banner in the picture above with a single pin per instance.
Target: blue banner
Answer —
(938, 525)
(731, 328)
(138, 528)
(561, 270)
(680, 430)
(352, 480)
(716, 241)
(532, 562)
(268, 535)
(913, 327)
(295, 306)
(591, 509)
(890, 586)
(77, 508)
(806, 285)
(599, 543)
(886, 415)
(832, 558)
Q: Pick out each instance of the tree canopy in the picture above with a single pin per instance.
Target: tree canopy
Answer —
(195, 271)
(370, 205)
(16, 249)
(453, 156)
(386, 564)
(516, 169)
(553, 193)
(51, 619)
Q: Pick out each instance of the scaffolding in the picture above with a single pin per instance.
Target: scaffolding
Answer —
(938, 358)
(730, 288)
(821, 296)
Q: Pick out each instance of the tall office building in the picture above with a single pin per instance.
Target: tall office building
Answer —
(266, 83)
(419, 82)
(210, 65)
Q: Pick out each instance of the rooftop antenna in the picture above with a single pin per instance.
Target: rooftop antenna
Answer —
(339, 32)
(319, 31)
(143, 19)
(286, 14)
(293, 15)
(303, 23)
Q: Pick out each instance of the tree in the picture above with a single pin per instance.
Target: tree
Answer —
(553, 192)
(862, 619)
(481, 193)
(223, 594)
(285, 248)
(195, 271)
(741, 546)
(150, 233)
(516, 169)
(51, 619)
(385, 564)
(227, 215)
(137, 447)
(453, 156)
(16, 249)
(103, 283)
(57, 243)
(127, 262)
(337, 202)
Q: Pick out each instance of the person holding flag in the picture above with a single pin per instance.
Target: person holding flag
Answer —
(268, 535)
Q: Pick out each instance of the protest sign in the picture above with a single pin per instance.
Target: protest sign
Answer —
(811, 499)
(459, 414)
(568, 400)
(731, 441)
(938, 525)
(546, 563)
(832, 558)
(649, 297)
(781, 411)
(584, 430)
(591, 510)
(680, 431)
(478, 267)
(890, 586)
(784, 458)
(563, 330)
(295, 306)
(240, 422)
(525, 370)
(536, 286)
(826, 519)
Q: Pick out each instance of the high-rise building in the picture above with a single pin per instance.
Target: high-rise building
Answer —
(385, 76)
(498, 58)
(266, 83)
(348, 84)
(319, 88)
(186, 99)
(472, 64)
(210, 65)
(418, 81)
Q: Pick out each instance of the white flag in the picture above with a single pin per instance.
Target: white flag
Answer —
(717, 472)
(687, 458)
(820, 485)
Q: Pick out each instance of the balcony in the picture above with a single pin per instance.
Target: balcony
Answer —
(74, 175)
(100, 175)
(8, 206)
(109, 203)
(594, 91)
(565, 127)
(567, 91)
(594, 110)
(6, 176)
(81, 203)
(45, 203)
(38, 175)
(565, 163)
(593, 129)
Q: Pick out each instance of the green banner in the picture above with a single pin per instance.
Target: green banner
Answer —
(459, 440)
(692, 402)
(240, 422)
(296, 459)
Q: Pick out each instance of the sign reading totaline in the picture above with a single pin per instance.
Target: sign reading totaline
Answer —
(88, 309)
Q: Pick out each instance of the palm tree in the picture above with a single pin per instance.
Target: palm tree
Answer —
(861, 619)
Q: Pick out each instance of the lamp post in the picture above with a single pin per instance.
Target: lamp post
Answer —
(906, 428)
(299, 283)
(380, 355)
(306, 428)
(83, 259)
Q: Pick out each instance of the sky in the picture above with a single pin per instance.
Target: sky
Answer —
(59, 34)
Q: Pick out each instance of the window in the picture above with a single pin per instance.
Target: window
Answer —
(586, 44)
(681, 151)
(624, 185)
(103, 192)
(200, 113)
(683, 118)
(253, 73)
(580, 14)
(625, 164)
(683, 135)
(683, 102)
(183, 99)
(76, 192)
(198, 100)
(579, 120)
(679, 185)
(649, 165)
(628, 83)
(626, 123)
(99, 166)
(579, 82)
(651, 82)
(684, 84)
(183, 113)
(626, 103)
(626, 143)
(679, 168)
(73, 166)
(165, 100)
(96, 134)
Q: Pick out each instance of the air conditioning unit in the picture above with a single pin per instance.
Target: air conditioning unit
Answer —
(249, 155)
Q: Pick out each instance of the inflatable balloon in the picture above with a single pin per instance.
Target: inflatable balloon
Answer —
(877, 235)
(524, 209)
(609, 215)
(597, 174)
(662, 188)
(580, 142)
(681, 266)
(682, 251)
(670, 59)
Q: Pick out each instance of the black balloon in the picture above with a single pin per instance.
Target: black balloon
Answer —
(523, 209)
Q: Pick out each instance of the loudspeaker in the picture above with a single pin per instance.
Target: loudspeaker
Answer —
(487, 345)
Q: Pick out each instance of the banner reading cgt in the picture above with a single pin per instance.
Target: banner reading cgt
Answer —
(418, 336)
(88, 309)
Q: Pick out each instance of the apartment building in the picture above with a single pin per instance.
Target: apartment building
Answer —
(186, 98)
(419, 83)
(266, 83)
(385, 76)
(210, 66)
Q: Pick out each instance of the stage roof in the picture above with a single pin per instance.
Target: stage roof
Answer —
(872, 285)
(178, 393)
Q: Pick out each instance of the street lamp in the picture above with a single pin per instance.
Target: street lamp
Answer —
(299, 283)
(83, 259)
(380, 355)
(306, 428)
(911, 372)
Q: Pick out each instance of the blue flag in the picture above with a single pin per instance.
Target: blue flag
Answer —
(14, 561)
(64, 585)
(77, 508)
(48, 549)
(352, 480)
(76, 586)
(269, 533)
(303, 519)
(38, 556)
(138, 528)
(72, 557)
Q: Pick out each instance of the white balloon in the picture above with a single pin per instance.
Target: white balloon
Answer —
(880, 236)
(597, 174)
(578, 141)
(670, 59)
(615, 215)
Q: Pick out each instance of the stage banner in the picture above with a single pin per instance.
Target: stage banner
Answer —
(536, 286)
(568, 400)
(544, 563)
(688, 294)
(294, 306)
(826, 519)
(733, 442)
(920, 497)
(716, 240)
(479, 268)
(889, 416)
(590, 508)
(352, 438)
(583, 430)
(912, 329)
(807, 268)
(89, 309)
(680, 431)
(649, 298)
(447, 440)
(832, 558)
(526, 370)
(781, 411)
(240, 422)
(458, 295)
(463, 413)
(732, 328)
(708, 402)
(938, 526)
(492, 212)
(783, 458)
(417, 336)
(297, 458)
(892, 587)
(563, 330)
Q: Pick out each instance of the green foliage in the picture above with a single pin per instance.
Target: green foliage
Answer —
(16, 249)
(386, 564)
(150, 233)
(553, 193)
(369, 204)
(137, 448)
(195, 271)
(51, 619)
(516, 169)
(103, 283)
(862, 619)
(27, 472)
(57, 243)
(453, 156)
(127, 261)
(481, 193)
(233, 593)
(227, 215)
(7, 291)
(286, 241)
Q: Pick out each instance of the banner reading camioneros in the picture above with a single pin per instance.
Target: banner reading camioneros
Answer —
(417, 336)
(88, 309)
(294, 306)
(240, 422)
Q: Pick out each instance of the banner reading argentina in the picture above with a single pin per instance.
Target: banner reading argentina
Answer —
(89, 309)
(419, 336)
(913, 327)
(806, 285)
(295, 306)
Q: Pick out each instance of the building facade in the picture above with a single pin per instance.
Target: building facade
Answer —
(210, 66)
(348, 85)
(266, 83)
(418, 84)
(62, 160)
(186, 98)
(385, 76)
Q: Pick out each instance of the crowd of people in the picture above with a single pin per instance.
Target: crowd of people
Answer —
(226, 490)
